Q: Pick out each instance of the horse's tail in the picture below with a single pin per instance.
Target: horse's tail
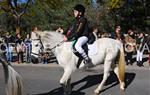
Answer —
(121, 64)
(13, 80)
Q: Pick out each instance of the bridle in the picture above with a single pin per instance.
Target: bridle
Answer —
(35, 53)
(42, 48)
(51, 49)
(59, 44)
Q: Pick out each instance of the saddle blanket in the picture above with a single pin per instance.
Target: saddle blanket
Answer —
(92, 49)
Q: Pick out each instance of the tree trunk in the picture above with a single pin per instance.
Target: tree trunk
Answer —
(17, 30)
(18, 25)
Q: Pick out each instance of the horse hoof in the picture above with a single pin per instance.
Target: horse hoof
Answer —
(96, 92)
(122, 87)
(67, 93)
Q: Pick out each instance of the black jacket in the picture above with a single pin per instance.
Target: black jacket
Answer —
(9, 39)
(78, 29)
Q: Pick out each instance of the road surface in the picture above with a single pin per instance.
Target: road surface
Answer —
(44, 80)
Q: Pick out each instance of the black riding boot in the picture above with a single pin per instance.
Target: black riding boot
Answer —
(87, 61)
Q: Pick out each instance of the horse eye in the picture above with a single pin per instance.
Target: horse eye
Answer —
(36, 45)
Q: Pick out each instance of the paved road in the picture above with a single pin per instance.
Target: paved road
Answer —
(44, 80)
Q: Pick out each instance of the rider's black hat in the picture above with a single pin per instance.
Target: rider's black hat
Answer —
(79, 8)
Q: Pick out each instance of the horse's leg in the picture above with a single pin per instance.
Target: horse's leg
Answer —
(116, 70)
(65, 81)
(67, 87)
(107, 65)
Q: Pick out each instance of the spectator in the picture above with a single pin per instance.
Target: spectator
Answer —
(45, 57)
(96, 32)
(118, 35)
(140, 44)
(28, 48)
(94, 35)
(129, 46)
(8, 39)
(19, 48)
(148, 43)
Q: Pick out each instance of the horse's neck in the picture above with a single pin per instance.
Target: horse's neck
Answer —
(64, 55)
(63, 48)
(52, 38)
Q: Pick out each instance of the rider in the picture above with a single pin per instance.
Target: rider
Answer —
(79, 32)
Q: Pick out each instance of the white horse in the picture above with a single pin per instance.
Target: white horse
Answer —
(107, 51)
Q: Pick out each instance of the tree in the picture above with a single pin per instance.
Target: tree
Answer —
(17, 10)
(51, 14)
(128, 13)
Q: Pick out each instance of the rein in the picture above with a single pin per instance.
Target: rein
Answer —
(59, 44)
(35, 53)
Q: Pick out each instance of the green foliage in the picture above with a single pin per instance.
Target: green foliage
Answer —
(51, 14)
(14, 9)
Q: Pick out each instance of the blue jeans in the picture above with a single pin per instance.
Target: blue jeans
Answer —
(28, 55)
(8, 53)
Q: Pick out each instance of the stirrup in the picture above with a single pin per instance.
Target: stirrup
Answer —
(87, 64)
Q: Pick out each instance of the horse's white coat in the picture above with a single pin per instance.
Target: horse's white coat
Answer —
(108, 50)
(13, 80)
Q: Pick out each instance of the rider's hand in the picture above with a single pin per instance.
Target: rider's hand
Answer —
(60, 30)
(65, 38)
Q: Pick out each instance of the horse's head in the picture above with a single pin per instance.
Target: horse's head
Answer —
(37, 48)
(48, 40)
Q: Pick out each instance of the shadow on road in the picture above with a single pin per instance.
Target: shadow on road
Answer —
(92, 80)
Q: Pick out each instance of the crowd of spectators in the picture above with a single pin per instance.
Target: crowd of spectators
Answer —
(18, 49)
(136, 44)
(15, 48)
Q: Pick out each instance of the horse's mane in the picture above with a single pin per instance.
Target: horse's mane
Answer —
(51, 37)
